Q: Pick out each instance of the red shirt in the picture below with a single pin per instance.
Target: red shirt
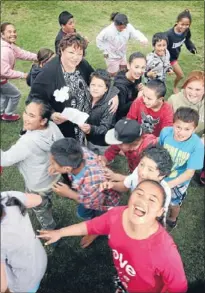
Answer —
(152, 122)
(149, 265)
(133, 157)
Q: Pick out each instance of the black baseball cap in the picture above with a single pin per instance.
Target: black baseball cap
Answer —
(125, 131)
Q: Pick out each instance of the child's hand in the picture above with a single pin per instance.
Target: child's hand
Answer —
(109, 174)
(50, 235)
(170, 72)
(52, 171)
(58, 118)
(152, 74)
(106, 185)
(140, 87)
(113, 103)
(61, 189)
(85, 128)
(102, 160)
(144, 43)
(105, 56)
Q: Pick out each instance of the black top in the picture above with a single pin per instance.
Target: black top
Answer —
(59, 36)
(101, 119)
(128, 93)
(50, 79)
(35, 70)
(176, 41)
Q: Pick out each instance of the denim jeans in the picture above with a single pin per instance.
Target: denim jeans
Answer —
(87, 214)
(9, 98)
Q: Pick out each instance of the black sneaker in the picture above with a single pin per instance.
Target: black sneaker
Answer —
(171, 224)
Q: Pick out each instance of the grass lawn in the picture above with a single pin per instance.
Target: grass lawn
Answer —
(70, 268)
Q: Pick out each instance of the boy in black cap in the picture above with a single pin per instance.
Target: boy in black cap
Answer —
(127, 137)
(67, 24)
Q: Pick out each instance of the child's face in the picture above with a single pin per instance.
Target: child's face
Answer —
(69, 27)
(182, 25)
(9, 35)
(183, 130)
(120, 28)
(147, 169)
(160, 47)
(32, 119)
(150, 99)
(145, 204)
(137, 68)
(194, 91)
(97, 87)
(57, 169)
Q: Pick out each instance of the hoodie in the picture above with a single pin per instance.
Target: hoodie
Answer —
(101, 119)
(35, 70)
(31, 156)
(128, 91)
(9, 54)
(179, 100)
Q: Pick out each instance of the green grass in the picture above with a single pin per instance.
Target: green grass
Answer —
(71, 269)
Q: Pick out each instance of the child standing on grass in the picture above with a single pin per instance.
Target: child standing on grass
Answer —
(86, 174)
(67, 24)
(158, 61)
(9, 94)
(177, 36)
(101, 119)
(144, 254)
(43, 56)
(150, 110)
(23, 258)
(187, 152)
(129, 83)
(127, 137)
(113, 40)
(31, 156)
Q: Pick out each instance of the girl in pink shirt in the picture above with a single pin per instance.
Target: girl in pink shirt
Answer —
(144, 254)
(9, 94)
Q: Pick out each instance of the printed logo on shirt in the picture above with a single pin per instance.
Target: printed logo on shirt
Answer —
(178, 157)
(148, 123)
(124, 269)
(176, 45)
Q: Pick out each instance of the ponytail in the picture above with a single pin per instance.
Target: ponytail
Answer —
(112, 16)
(13, 201)
(184, 14)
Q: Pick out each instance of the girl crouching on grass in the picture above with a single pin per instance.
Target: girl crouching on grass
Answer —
(144, 254)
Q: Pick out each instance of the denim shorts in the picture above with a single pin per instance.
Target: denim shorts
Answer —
(87, 214)
(178, 194)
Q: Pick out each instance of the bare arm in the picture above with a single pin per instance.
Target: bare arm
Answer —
(54, 235)
(32, 200)
(4, 285)
(187, 175)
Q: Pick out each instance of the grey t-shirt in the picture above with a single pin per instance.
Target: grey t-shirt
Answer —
(24, 256)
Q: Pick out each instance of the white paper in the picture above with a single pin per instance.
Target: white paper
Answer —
(74, 115)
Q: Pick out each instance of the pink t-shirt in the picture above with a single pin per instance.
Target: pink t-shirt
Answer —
(149, 265)
(152, 122)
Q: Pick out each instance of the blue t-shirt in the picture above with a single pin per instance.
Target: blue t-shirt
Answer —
(185, 155)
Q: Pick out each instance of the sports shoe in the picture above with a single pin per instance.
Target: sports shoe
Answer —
(10, 118)
(171, 224)
(1, 115)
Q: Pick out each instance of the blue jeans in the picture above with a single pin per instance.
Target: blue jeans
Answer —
(87, 214)
(35, 289)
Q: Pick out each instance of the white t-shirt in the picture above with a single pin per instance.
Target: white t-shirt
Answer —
(132, 181)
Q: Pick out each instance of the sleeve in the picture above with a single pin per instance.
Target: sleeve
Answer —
(105, 123)
(24, 55)
(136, 34)
(99, 225)
(162, 136)
(28, 79)
(150, 62)
(189, 44)
(101, 41)
(168, 116)
(124, 105)
(6, 70)
(15, 154)
(134, 110)
(172, 273)
(111, 152)
(196, 159)
(57, 42)
(131, 180)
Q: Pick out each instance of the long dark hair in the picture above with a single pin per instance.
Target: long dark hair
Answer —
(12, 201)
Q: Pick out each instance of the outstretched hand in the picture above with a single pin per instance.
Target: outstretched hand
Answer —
(50, 235)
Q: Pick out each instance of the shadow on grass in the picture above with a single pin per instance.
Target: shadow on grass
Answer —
(196, 287)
